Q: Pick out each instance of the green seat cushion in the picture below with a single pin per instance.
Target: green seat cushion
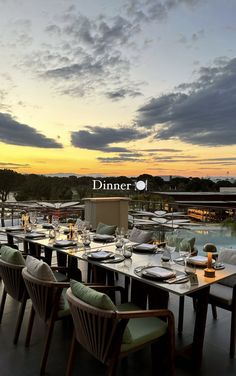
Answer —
(96, 299)
(187, 243)
(140, 236)
(12, 255)
(142, 330)
(90, 296)
(104, 229)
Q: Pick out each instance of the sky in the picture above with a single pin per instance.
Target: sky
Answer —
(118, 87)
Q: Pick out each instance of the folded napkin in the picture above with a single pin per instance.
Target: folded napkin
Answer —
(34, 235)
(48, 226)
(158, 272)
(145, 247)
(64, 243)
(103, 237)
(14, 228)
(197, 260)
(101, 255)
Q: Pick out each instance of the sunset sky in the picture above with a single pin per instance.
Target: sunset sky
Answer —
(118, 87)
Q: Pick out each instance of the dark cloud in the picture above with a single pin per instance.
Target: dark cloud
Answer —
(15, 133)
(203, 115)
(98, 138)
(122, 93)
(13, 165)
(163, 150)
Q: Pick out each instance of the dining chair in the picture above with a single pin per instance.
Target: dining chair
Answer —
(223, 295)
(11, 265)
(110, 332)
(48, 300)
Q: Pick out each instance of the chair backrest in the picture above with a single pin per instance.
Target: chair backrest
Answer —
(228, 256)
(12, 277)
(45, 295)
(97, 330)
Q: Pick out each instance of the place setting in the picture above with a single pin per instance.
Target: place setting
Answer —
(35, 235)
(161, 273)
(103, 256)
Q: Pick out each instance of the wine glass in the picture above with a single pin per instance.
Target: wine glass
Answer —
(55, 221)
(33, 219)
(184, 251)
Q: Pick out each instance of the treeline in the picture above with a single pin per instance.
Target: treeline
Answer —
(40, 187)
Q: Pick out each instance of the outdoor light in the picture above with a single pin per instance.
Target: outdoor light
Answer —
(209, 248)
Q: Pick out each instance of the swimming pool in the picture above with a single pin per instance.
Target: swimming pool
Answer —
(222, 237)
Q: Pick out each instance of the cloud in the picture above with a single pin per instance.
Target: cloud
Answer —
(119, 159)
(202, 113)
(9, 165)
(88, 54)
(15, 133)
(122, 93)
(84, 56)
(98, 138)
(168, 150)
(194, 38)
(151, 10)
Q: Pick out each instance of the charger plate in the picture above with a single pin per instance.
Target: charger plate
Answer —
(168, 275)
(103, 256)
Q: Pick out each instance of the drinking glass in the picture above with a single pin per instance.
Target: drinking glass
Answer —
(185, 251)
(127, 250)
(86, 240)
(33, 219)
(119, 242)
(55, 221)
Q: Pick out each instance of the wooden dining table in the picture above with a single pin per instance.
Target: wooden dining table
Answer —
(132, 268)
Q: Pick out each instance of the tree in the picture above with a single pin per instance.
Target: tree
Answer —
(8, 183)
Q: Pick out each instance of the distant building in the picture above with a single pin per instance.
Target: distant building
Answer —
(228, 190)
(203, 206)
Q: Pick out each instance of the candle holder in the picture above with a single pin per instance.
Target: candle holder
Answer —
(209, 248)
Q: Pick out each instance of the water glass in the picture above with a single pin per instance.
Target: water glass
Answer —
(33, 219)
(127, 250)
(86, 240)
(119, 242)
(185, 251)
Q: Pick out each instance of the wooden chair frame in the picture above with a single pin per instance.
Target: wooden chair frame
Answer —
(45, 296)
(100, 332)
(15, 287)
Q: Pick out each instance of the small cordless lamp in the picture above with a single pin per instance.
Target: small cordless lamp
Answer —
(209, 248)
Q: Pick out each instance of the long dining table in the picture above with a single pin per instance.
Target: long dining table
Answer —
(132, 268)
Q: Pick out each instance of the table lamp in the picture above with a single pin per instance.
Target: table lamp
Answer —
(209, 248)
